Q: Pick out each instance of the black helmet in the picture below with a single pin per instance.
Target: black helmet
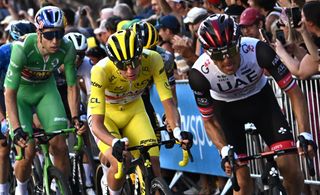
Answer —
(20, 28)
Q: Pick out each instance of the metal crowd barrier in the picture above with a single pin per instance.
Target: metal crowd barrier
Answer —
(311, 89)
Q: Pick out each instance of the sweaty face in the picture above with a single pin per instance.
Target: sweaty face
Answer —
(250, 31)
(229, 64)
(50, 39)
(130, 73)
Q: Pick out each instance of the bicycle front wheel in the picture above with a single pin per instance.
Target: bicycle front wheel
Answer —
(159, 185)
(57, 182)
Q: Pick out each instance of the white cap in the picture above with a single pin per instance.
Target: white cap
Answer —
(194, 14)
(106, 13)
(7, 20)
(102, 27)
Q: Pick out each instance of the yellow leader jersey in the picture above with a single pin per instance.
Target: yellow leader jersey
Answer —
(108, 85)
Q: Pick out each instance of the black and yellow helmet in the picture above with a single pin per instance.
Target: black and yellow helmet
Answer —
(124, 48)
(147, 32)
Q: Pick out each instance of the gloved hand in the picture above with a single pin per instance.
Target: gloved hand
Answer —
(309, 140)
(118, 146)
(20, 137)
(225, 159)
(185, 137)
(79, 125)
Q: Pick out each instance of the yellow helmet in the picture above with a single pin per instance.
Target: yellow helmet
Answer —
(124, 49)
(147, 32)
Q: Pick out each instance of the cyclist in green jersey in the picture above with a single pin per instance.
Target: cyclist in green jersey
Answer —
(30, 86)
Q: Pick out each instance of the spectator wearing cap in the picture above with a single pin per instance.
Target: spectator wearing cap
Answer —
(105, 13)
(102, 34)
(178, 8)
(168, 26)
(250, 23)
(189, 49)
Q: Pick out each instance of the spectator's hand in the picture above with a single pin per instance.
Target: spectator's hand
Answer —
(118, 147)
(7, 3)
(88, 10)
(20, 137)
(182, 46)
(279, 48)
(302, 29)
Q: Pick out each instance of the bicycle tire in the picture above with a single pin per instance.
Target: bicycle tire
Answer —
(98, 176)
(158, 184)
(62, 183)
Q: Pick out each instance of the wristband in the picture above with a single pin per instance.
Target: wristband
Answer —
(307, 135)
(114, 141)
(225, 150)
(177, 133)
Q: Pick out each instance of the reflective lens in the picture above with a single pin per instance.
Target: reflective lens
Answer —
(134, 63)
(49, 35)
(221, 55)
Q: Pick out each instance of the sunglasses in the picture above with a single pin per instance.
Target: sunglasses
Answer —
(49, 35)
(221, 55)
(134, 63)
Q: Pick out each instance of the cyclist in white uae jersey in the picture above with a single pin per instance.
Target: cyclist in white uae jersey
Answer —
(230, 89)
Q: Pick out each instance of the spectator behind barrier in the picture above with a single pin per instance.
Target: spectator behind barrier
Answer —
(250, 23)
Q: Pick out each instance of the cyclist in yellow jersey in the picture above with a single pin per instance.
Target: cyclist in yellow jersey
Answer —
(115, 108)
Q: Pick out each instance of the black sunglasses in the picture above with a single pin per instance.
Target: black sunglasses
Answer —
(221, 55)
(134, 63)
(49, 35)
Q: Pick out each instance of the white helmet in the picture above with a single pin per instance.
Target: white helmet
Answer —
(79, 40)
(49, 17)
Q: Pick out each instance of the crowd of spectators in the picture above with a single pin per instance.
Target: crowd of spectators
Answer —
(291, 27)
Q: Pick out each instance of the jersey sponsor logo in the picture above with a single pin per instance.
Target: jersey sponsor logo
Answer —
(148, 141)
(94, 84)
(35, 75)
(276, 60)
(112, 78)
(63, 119)
(197, 92)
(13, 64)
(249, 76)
(205, 67)
(161, 70)
(247, 48)
(141, 84)
(202, 101)
(166, 84)
(55, 62)
(94, 100)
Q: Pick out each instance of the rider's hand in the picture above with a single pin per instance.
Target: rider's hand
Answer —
(79, 125)
(312, 146)
(225, 164)
(186, 138)
(118, 147)
(20, 137)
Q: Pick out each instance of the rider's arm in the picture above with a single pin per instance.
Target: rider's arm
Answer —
(96, 103)
(164, 91)
(201, 89)
(267, 58)
(12, 82)
(71, 77)
(99, 129)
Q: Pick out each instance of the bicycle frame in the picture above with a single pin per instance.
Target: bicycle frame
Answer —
(44, 139)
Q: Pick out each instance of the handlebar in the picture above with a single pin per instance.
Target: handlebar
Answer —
(44, 138)
(233, 176)
(143, 148)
